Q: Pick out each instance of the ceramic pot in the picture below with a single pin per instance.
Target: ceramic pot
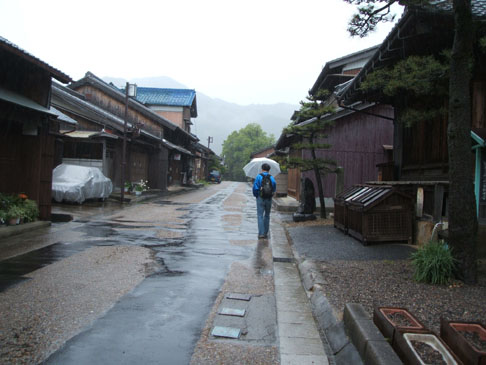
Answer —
(390, 319)
(458, 336)
(419, 348)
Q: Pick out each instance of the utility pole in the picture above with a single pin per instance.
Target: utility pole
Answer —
(130, 90)
(210, 140)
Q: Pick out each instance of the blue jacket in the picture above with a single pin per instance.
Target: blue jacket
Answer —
(258, 183)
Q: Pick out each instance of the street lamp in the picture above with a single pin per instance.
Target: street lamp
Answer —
(130, 91)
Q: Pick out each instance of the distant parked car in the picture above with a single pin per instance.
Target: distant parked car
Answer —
(215, 177)
(75, 184)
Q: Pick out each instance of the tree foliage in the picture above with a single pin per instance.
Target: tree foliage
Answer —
(214, 163)
(238, 147)
(423, 80)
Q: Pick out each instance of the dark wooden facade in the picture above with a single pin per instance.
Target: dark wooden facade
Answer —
(27, 127)
(358, 143)
(359, 137)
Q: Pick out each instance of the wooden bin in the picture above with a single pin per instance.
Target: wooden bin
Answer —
(340, 206)
(380, 214)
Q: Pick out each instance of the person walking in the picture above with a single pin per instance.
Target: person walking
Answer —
(263, 189)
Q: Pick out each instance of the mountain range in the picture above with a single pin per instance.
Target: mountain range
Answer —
(218, 118)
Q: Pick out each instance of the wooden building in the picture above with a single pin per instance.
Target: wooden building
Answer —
(153, 141)
(360, 136)
(177, 106)
(28, 128)
(420, 155)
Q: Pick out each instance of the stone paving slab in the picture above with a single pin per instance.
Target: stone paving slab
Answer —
(299, 339)
(302, 360)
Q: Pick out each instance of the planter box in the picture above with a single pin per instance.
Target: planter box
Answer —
(390, 320)
(412, 348)
(454, 334)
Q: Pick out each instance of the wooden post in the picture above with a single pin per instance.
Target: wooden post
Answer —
(438, 202)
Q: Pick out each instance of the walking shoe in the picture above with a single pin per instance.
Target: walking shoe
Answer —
(261, 236)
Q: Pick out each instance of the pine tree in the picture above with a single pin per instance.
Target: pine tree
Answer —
(310, 133)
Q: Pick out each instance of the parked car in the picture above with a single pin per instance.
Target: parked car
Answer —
(73, 183)
(215, 177)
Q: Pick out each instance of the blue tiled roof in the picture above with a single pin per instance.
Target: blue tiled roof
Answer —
(170, 97)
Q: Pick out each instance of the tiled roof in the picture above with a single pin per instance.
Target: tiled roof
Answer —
(478, 7)
(60, 76)
(166, 97)
(348, 92)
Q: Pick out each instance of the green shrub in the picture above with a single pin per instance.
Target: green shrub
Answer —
(31, 211)
(433, 263)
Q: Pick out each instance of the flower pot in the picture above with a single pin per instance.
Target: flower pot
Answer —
(419, 348)
(390, 319)
(13, 221)
(466, 339)
(138, 193)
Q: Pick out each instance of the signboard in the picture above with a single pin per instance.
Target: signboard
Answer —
(177, 156)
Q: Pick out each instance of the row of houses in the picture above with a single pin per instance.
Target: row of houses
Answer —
(47, 119)
(369, 139)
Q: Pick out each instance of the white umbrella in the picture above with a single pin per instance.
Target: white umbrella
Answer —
(254, 167)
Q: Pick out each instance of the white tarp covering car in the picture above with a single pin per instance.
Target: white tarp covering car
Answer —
(73, 183)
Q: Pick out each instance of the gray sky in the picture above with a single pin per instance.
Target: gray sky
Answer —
(252, 51)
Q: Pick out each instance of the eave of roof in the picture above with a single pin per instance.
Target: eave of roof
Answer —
(10, 47)
(368, 52)
(21, 100)
(63, 117)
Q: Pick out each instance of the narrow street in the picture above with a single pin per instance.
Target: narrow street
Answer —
(186, 246)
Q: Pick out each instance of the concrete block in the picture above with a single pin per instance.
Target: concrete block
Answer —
(362, 331)
(354, 311)
(322, 311)
(337, 338)
(380, 353)
(348, 355)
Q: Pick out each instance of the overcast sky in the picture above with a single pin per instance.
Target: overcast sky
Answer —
(252, 51)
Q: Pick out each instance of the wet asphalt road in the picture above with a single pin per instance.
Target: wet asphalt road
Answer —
(161, 319)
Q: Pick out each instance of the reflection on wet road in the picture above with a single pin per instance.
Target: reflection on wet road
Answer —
(161, 320)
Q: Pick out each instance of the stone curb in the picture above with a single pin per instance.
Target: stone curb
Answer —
(355, 340)
(21, 228)
(370, 343)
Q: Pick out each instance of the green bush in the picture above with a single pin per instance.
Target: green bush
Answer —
(433, 263)
(31, 211)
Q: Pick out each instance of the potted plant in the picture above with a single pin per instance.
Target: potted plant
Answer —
(14, 213)
(128, 187)
(141, 187)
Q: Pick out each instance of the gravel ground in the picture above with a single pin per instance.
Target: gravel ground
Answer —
(61, 299)
(387, 281)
